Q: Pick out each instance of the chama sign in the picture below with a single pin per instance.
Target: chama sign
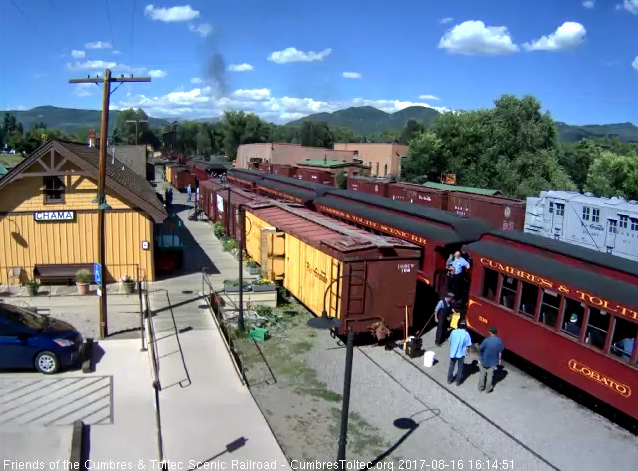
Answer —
(45, 216)
(601, 379)
(562, 289)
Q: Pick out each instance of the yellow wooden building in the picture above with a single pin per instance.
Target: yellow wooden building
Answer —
(49, 222)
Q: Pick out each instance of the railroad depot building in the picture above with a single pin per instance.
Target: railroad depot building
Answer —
(251, 155)
(49, 220)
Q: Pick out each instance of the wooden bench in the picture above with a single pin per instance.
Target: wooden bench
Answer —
(56, 274)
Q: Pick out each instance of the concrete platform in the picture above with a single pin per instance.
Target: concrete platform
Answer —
(33, 444)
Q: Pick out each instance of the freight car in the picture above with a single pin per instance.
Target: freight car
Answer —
(354, 267)
(180, 179)
(570, 310)
(173, 167)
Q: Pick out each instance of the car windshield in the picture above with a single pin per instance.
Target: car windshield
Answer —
(28, 319)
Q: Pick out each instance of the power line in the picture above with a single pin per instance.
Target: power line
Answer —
(130, 54)
(108, 14)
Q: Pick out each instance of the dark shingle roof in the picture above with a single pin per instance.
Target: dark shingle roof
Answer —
(133, 183)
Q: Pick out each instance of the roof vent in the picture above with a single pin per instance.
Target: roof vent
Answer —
(589, 193)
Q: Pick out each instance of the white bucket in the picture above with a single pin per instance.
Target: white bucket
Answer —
(428, 359)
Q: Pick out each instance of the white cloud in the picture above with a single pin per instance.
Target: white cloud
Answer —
(157, 73)
(98, 45)
(428, 97)
(115, 67)
(84, 89)
(200, 102)
(78, 54)
(474, 38)
(255, 95)
(203, 30)
(445, 20)
(569, 35)
(240, 67)
(116, 52)
(634, 64)
(291, 54)
(184, 13)
(588, 4)
(352, 75)
(630, 5)
(196, 80)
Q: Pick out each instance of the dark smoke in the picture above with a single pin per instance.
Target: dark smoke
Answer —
(216, 74)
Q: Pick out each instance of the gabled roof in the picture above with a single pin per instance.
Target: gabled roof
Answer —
(120, 178)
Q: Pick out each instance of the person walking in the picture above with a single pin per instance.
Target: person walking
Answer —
(459, 341)
(188, 193)
(441, 313)
(491, 355)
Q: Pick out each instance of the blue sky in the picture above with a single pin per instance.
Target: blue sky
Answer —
(288, 58)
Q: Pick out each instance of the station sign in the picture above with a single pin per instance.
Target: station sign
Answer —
(47, 216)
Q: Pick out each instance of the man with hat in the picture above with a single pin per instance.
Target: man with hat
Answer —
(572, 326)
(441, 313)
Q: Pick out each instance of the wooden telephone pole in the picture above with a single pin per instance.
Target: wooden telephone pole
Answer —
(101, 199)
(137, 121)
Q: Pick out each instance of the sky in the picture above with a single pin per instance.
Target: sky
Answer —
(284, 59)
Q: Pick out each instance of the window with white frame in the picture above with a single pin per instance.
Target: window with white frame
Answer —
(586, 213)
(623, 223)
(595, 216)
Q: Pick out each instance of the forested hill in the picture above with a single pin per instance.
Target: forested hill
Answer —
(69, 119)
(367, 120)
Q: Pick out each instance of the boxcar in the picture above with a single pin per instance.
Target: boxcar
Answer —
(314, 175)
(208, 196)
(284, 170)
(170, 169)
(418, 194)
(502, 213)
(182, 178)
(368, 185)
(357, 268)
(223, 208)
(572, 312)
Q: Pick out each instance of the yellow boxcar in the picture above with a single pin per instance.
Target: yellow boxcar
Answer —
(309, 272)
(265, 245)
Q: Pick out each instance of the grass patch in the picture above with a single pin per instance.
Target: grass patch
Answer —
(362, 437)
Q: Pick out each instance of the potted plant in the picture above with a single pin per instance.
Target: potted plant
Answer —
(127, 284)
(83, 280)
(232, 286)
(32, 287)
(253, 269)
(263, 284)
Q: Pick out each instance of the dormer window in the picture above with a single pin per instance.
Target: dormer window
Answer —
(53, 190)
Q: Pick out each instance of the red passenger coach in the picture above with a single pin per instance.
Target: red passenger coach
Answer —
(570, 310)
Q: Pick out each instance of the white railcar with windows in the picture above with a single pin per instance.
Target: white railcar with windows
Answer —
(604, 224)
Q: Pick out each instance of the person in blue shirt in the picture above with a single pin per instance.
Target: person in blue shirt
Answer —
(459, 341)
(441, 313)
(455, 269)
(624, 348)
(491, 352)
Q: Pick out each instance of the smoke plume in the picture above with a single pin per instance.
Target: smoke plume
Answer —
(216, 74)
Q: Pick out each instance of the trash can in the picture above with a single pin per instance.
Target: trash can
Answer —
(428, 359)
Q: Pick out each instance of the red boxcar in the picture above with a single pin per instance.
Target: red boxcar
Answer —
(208, 196)
(369, 186)
(221, 208)
(502, 213)
(183, 178)
(570, 310)
(418, 194)
(323, 177)
(284, 170)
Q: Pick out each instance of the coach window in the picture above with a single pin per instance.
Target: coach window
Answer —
(623, 223)
(573, 317)
(597, 327)
(529, 299)
(490, 284)
(624, 339)
(509, 286)
(549, 308)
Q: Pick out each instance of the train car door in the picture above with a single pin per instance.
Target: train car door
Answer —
(610, 238)
(461, 205)
(558, 216)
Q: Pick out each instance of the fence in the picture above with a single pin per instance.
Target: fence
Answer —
(216, 305)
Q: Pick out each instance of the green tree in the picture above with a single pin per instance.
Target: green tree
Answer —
(424, 159)
(125, 131)
(411, 130)
(316, 135)
(613, 175)
(241, 128)
(346, 135)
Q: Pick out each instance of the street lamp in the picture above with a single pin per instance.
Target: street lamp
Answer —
(328, 323)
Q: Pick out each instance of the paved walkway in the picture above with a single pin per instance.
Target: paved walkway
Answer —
(204, 407)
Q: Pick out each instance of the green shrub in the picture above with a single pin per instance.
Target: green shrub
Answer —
(218, 229)
(83, 276)
(263, 311)
(230, 244)
(235, 282)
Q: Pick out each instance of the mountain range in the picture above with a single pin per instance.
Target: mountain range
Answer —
(363, 120)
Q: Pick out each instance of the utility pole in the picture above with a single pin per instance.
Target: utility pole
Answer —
(101, 198)
(136, 121)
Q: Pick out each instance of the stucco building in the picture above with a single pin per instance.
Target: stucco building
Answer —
(49, 222)
(383, 159)
(250, 155)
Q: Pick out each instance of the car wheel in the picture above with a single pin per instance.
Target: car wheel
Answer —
(47, 363)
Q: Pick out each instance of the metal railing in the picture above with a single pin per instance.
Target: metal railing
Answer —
(215, 305)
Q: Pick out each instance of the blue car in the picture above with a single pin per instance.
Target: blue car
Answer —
(30, 340)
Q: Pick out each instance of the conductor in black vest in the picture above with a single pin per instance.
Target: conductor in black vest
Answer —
(441, 314)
